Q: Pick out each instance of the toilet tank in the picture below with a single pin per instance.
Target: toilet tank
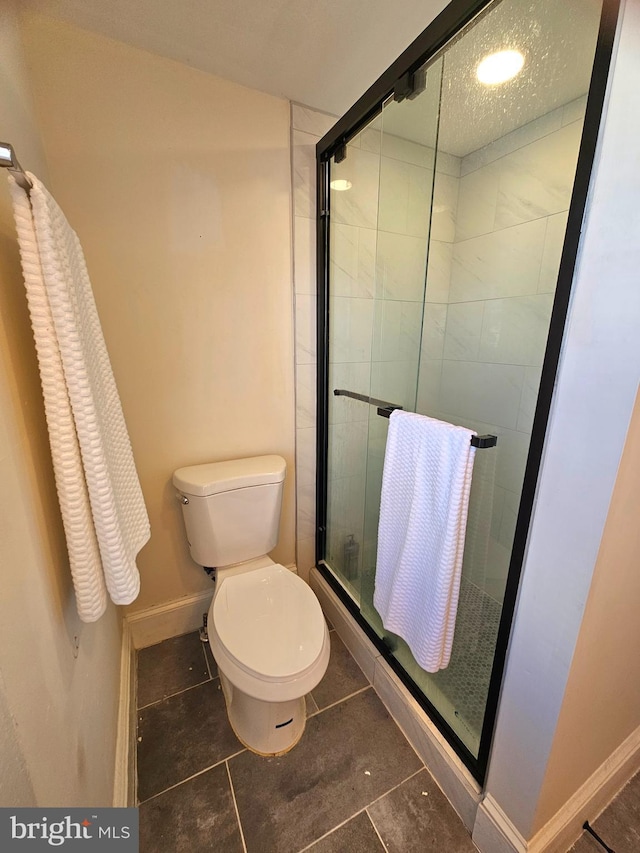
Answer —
(231, 509)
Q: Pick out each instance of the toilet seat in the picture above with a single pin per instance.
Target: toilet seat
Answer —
(268, 634)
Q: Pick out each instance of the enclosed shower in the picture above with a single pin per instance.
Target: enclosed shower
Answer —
(448, 227)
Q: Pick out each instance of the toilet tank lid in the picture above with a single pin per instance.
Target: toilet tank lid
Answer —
(215, 477)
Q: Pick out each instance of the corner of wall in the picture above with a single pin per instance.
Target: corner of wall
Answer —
(124, 788)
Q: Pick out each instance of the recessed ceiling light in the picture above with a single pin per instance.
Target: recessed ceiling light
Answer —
(340, 184)
(500, 67)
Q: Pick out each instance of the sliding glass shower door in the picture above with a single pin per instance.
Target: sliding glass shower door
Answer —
(447, 217)
(380, 219)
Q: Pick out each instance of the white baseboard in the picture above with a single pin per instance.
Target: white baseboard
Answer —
(124, 778)
(494, 832)
(565, 827)
(181, 616)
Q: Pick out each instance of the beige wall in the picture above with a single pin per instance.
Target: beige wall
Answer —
(57, 712)
(15, 781)
(178, 185)
(601, 707)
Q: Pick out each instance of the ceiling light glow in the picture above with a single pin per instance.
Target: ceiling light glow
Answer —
(500, 67)
(340, 184)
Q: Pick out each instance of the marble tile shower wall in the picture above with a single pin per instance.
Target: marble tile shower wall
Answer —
(353, 234)
(353, 321)
(416, 210)
(498, 219)
(482, 367)
(379, 236)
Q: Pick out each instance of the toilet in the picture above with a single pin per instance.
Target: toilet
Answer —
(266, 629)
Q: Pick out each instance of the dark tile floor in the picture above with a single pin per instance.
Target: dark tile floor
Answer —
(353, 783)
(618, 825)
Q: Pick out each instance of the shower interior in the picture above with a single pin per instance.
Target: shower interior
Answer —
(444, 251)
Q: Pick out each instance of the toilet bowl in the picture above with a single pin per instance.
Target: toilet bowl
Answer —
(270, 641)
(266, 629)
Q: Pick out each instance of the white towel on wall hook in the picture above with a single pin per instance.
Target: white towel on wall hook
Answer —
(423, 513)
(103, 511)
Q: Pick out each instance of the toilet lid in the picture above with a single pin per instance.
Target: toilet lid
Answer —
(270, 621)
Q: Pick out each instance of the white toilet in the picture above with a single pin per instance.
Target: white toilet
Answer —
(266, 629)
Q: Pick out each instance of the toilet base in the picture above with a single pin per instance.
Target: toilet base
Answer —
(266, 728)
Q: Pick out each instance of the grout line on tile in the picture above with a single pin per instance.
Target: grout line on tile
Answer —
(375, 829)
(177, 693)
(332, 830)
(419, 770)
(235, 805)
(188, 779)
(364, 809)
(206, 660)
(338, 701)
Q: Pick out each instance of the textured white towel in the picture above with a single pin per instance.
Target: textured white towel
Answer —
(423, 513)
(103, 510)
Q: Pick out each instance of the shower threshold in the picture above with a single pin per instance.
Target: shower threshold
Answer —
(460, 691)
(439, 752)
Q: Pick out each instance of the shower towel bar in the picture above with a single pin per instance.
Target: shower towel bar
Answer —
(9, 160)
(384, 410)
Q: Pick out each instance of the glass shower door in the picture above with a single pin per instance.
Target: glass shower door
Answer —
(353, 236)
(380, 203)
(405, 135)
(447, 222)
(417, 206)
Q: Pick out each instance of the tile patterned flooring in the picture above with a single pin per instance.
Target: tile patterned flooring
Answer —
(353, 783)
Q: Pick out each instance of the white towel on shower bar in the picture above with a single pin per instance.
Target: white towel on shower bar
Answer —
(103, 510)
(423, 513)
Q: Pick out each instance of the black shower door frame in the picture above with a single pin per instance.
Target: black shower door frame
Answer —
(396, 82)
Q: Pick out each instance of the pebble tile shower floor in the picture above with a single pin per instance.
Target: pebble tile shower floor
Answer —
(465, 682)
(353, 783)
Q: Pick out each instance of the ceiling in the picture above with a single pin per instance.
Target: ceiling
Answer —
(557, 40)
(326, 53)
(322, 53)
